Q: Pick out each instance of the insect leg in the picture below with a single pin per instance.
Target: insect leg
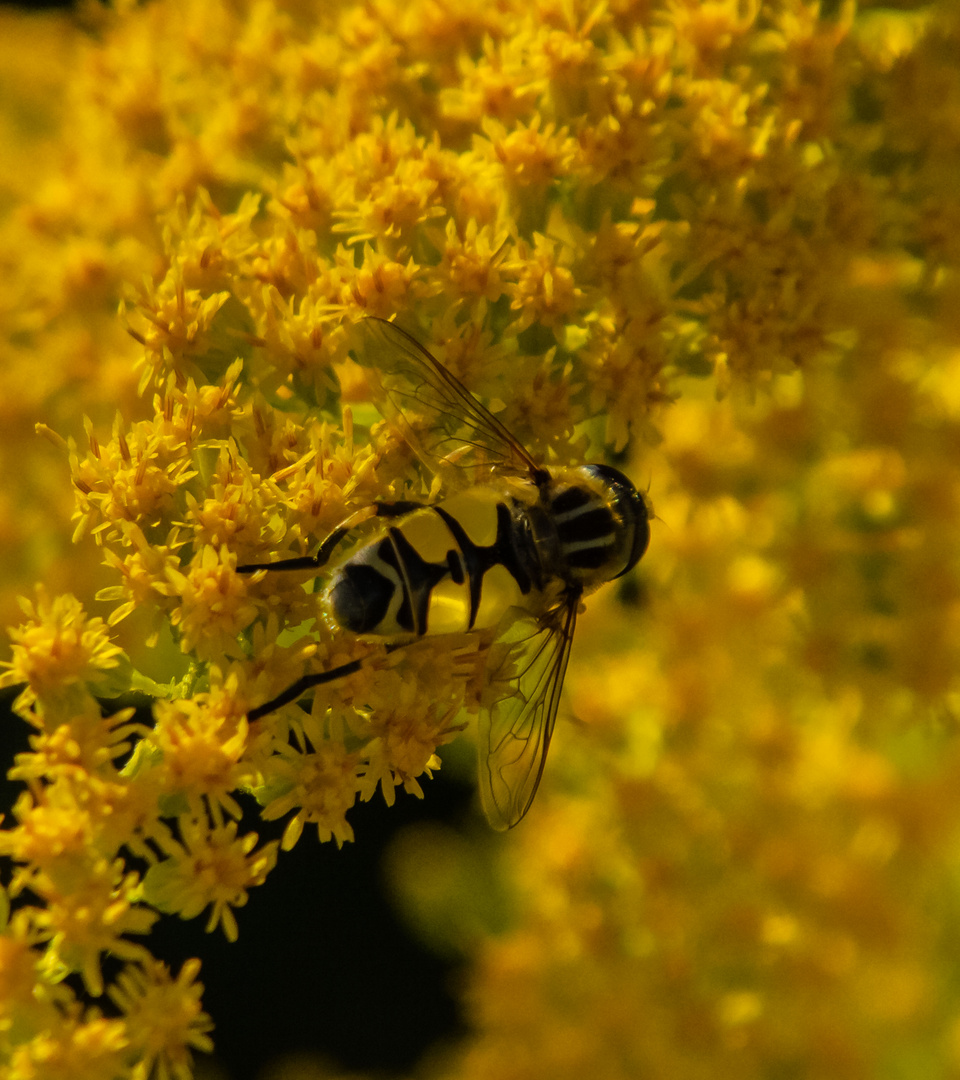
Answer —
(327, 548)
(301, 686)
(307, 682)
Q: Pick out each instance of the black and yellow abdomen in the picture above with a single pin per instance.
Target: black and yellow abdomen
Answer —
(442, 569)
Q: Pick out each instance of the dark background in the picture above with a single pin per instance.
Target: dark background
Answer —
(323, 963)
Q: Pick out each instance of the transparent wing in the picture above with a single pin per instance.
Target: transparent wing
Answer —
(432, 410)
(519, 708)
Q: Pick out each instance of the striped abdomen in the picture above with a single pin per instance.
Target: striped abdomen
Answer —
(442, 569)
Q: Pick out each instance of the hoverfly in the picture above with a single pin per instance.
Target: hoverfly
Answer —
(513, 554)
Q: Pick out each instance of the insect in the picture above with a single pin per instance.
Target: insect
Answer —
(511, 554)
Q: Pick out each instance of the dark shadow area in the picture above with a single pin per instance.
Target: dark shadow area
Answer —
(323, 963)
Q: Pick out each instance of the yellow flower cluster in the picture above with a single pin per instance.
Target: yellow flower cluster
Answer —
(720, 235)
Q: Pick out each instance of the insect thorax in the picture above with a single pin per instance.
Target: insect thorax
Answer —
(599, 524)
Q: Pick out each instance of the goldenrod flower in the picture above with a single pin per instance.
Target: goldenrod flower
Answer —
(321, 785)
(163, 1018)
(58, 647)
(207, 867)
(719, 238)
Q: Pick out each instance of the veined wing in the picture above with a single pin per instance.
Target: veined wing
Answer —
(519, 708)
(432, 410)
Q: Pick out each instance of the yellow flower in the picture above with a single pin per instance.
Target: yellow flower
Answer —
(201, 751)
(207, 867)
(531, 156)
(320, 784)
(715, 243)
(164, 1020)
(82, 1047)
(80, 750)
(214, 606)
(90, 901)
(473, 261)
(58, 647)
(546, 290)
(402, 747)
(131, 478)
